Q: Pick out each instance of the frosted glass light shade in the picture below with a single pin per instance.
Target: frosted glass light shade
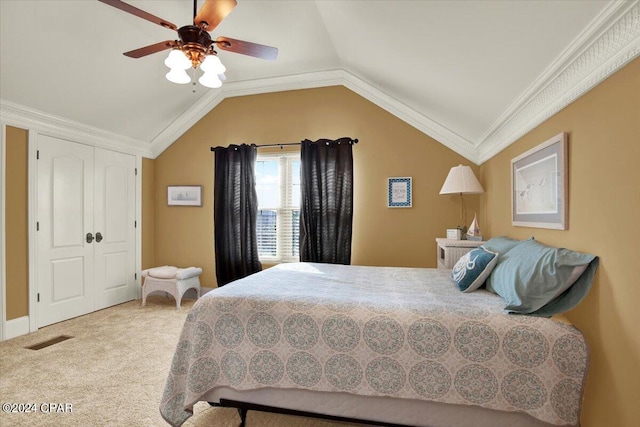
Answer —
(179, 76)
(461, 180)
(210, 79)
(212, 64)
(177, 59)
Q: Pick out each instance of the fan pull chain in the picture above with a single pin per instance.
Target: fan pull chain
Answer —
(194, 80)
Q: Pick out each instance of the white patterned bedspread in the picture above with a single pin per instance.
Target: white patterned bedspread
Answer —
(377, 331)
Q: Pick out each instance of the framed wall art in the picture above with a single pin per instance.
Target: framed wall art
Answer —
(399, 192)
(539, 183)
(184, 195)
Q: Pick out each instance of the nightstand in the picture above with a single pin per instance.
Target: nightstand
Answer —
(450, 251)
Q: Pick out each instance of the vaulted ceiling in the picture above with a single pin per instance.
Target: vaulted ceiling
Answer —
(474, 75)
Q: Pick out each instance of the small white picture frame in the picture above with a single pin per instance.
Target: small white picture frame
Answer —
(399, 192)
(184, 195)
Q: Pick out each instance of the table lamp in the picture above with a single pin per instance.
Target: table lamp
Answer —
(461, 180)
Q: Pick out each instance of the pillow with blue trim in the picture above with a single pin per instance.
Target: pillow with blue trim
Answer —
(473, 268)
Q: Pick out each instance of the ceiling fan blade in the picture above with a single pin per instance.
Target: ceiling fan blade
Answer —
(139, 13)
(148, 50)
(213, 12)
(247, 48)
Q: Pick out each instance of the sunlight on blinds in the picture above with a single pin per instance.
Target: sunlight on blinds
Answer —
(278, 188)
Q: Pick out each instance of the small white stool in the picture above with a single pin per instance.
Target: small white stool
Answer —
(184, 280)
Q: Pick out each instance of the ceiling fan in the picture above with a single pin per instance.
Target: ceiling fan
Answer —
(195, 48)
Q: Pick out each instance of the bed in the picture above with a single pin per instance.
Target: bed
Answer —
(392, 345)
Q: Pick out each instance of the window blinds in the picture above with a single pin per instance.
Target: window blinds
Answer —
(278, 188)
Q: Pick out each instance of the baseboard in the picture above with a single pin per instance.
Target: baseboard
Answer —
(16, 327)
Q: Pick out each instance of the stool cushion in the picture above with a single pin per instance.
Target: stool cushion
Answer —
(165, 272)
(185, 273)
(171, 272)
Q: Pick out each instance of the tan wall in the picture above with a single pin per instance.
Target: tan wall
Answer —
(388, 147)
(604, 206)
(148, 213)
(17, 253)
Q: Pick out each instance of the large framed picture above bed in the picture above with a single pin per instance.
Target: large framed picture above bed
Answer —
(539, 183)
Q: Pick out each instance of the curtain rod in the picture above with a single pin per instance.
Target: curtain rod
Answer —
(351, 141)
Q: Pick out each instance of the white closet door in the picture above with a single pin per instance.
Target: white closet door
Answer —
(114, 216)
(65, 217)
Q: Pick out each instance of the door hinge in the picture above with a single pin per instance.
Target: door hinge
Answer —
(37, 154)
(135, 224)
(136, 171)
(135, 276)
(38, 226)
(38, 296)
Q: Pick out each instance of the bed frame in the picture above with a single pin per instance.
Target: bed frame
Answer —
(244, 407)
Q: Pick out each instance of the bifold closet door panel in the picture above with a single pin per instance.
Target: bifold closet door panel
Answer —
(114, 219)
(65, 209)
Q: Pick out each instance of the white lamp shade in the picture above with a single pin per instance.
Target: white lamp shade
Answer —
(222, 77)
(210, 79)
(461, 180)
(212, 64)
(179, 76)
(177, 59)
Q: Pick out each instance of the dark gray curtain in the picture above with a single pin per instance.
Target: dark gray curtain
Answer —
(235, 211)
(326, 211)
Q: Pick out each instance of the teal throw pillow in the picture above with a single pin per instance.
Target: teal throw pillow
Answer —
(473, 268)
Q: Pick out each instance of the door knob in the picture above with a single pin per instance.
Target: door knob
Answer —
(98, 237)
(89, 237)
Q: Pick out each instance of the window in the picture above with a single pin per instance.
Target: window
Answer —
(278, 188)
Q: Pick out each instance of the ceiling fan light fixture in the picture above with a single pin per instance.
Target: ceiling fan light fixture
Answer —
(195, 48)
(212, 64)
(178, 76)
(177, 60)
(210, 80)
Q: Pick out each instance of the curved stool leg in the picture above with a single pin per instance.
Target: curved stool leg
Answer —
(144, 296)
(179, 293)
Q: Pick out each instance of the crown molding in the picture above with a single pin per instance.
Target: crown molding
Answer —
(412, 117)
(308, 81)
(611, 41)
(27, 118)
(229, 90)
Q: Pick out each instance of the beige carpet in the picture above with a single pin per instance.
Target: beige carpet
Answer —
(112, 372)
